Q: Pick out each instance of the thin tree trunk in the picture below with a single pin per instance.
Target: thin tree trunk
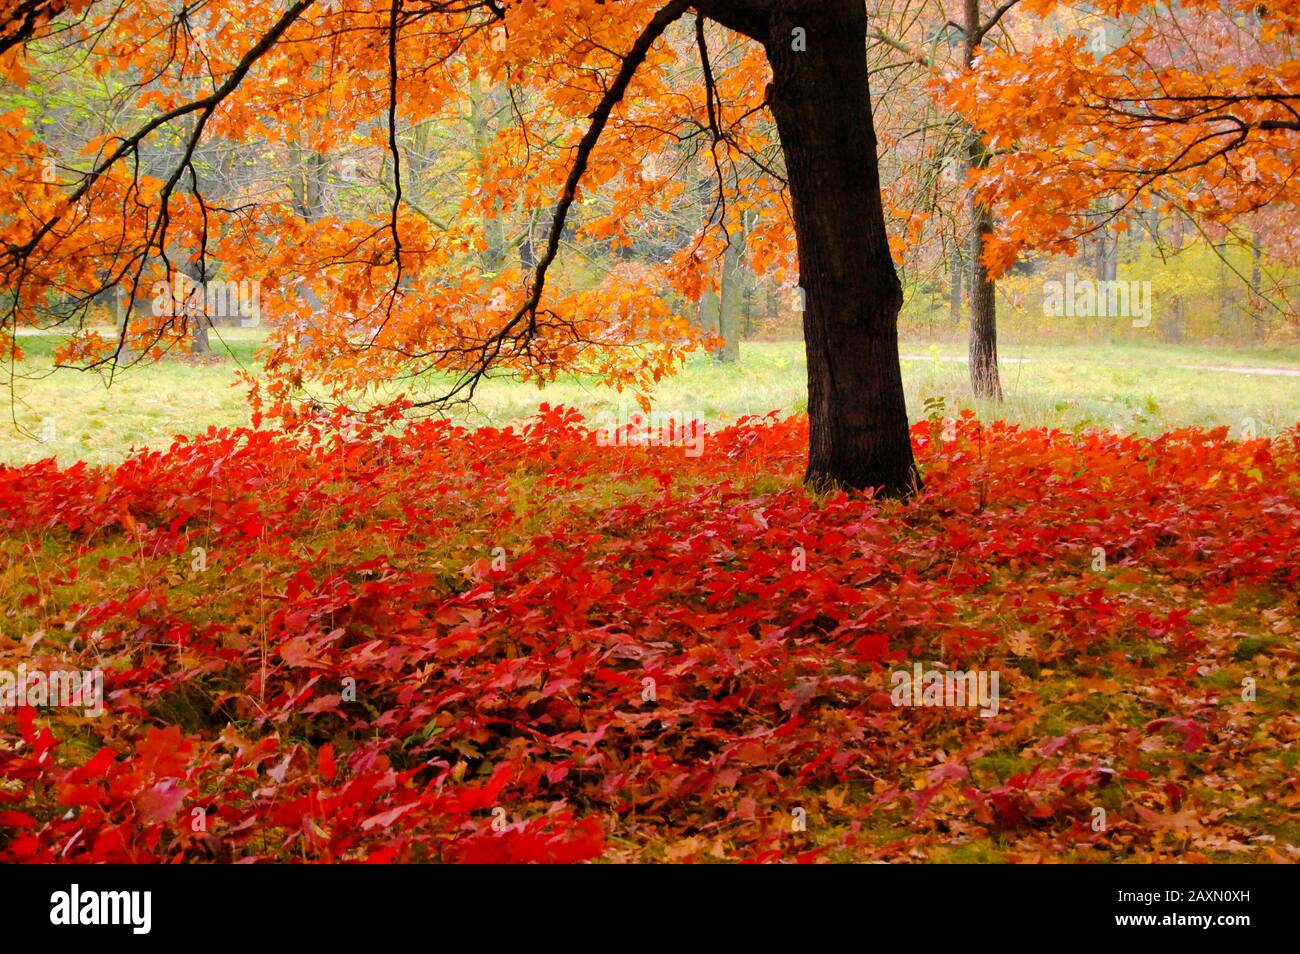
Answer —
(200, 343)
(749, 291)
(1225, 300)
(730, 301)
(1112, 259)
(983, 350)
(822, 104)
(711, 312)
(1173, 326)
(954, 291)
(1256, 289)
(482, 102)
(194, 309)
(1108, 246)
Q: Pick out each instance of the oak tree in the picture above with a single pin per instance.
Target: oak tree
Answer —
(371, 290)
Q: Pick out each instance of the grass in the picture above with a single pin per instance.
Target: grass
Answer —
(1144, 389)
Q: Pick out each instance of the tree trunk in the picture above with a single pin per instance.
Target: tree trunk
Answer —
(730, 301)
(748, 291)
(1256, 290)
(1172, 327)
(1225, 299)
(710, 312)
(199, 341)
(983, 349)
(954, 289)
(194, 308)
(482, 105)
(1108, 246)
(858, 434)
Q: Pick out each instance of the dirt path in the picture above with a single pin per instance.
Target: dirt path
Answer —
(1231, 369)
(959, 358)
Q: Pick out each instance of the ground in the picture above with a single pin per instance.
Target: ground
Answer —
(529, 644)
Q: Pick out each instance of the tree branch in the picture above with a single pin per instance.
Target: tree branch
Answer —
(749, 18)
(491, 349)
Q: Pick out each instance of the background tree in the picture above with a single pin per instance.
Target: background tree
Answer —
(1187, 109)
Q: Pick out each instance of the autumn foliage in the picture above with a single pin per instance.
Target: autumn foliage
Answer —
(425, 642)
(1177, 107)
(286, 178)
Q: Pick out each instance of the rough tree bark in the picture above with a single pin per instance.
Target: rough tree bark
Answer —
(821, 101)
(983, 349)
